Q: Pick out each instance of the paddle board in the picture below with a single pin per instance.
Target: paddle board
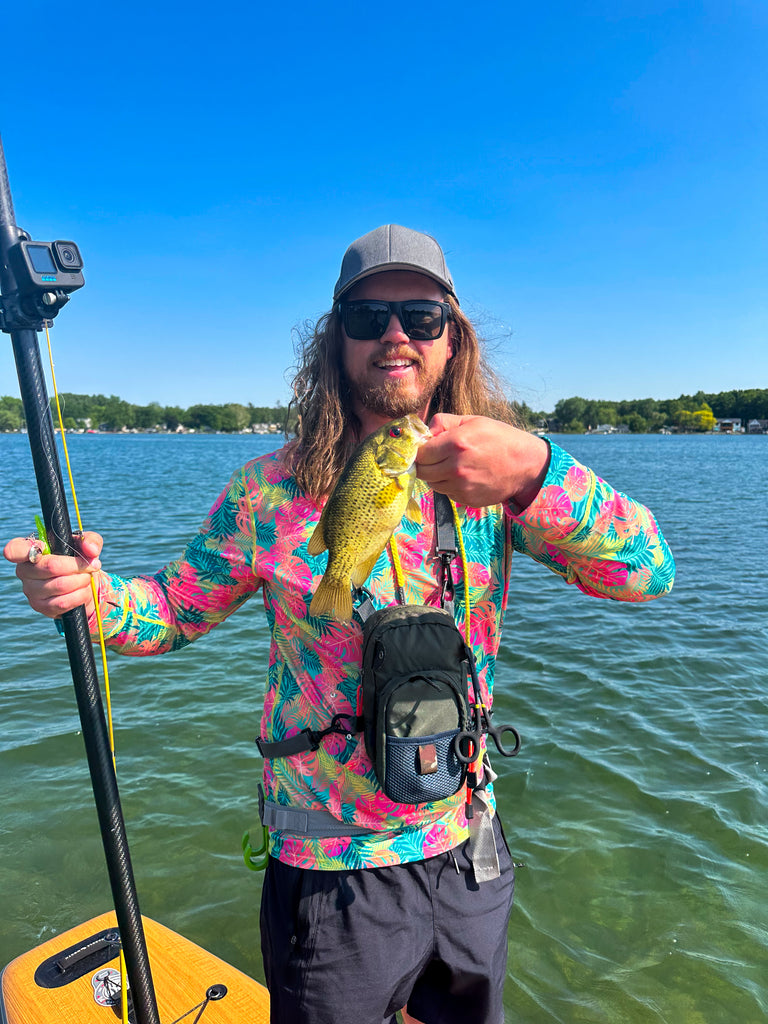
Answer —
(75, 979)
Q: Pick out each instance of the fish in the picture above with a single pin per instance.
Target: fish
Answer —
(372, 495)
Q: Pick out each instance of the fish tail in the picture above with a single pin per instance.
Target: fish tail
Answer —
(332, 597)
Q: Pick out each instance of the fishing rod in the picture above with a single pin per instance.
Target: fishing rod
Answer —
(36, 280)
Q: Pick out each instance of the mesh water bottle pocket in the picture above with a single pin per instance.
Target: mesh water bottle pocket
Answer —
(405, 778)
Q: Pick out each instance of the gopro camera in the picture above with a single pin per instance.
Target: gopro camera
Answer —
(45, 274)
(47, 267)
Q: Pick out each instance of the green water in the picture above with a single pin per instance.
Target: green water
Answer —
(639, 804)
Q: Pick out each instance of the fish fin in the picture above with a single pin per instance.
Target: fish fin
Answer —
(395, 471)
(332, 597)
(363, 570)
(316, 544)
(413, 510)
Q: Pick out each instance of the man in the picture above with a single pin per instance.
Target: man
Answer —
(369, 904)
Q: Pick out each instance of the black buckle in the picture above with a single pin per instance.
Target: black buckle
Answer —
(363, 602)
(447, 586)
(336, 726)
(309, 739)
(316, 736)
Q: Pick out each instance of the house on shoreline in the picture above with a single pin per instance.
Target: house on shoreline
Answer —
(728, 425)
(608, 428)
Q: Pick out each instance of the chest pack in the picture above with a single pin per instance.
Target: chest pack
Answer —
(415, 702)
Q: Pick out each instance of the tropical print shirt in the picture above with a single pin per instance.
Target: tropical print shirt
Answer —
(255, 537)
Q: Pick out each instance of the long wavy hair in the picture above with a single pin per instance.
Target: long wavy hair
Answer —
(328, 430)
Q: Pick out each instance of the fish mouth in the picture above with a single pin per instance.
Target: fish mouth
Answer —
(421, 430)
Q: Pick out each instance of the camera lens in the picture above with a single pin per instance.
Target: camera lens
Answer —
(68, 256)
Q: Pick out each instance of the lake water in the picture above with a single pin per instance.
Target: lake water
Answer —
(638, 805)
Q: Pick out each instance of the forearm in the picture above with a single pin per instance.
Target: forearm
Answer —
(190, 596)
(137, 617)
(595, 537)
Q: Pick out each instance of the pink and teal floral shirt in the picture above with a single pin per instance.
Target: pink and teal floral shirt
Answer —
(255, 538)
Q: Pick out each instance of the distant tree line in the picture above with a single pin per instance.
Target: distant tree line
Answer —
(687, 413)
(112, 413)
(571, 415)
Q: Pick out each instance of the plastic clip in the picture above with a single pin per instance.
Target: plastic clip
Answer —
(256, 860)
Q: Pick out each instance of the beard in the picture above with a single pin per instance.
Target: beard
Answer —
(396, 398)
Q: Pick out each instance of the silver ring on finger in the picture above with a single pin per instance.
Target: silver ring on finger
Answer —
(34, 552)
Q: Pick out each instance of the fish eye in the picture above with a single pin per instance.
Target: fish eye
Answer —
(395, 431)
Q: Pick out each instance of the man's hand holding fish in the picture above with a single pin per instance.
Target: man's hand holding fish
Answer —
(478, 461)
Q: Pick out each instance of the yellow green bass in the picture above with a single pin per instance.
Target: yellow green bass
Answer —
(372, 495)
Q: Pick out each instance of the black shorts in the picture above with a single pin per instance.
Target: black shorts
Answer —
(353, 947)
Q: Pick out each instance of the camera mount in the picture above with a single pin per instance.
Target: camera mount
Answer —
(41, 276)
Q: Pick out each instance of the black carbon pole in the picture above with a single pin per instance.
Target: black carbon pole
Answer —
(76, 633)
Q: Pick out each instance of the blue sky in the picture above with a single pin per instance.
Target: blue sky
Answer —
(596, 173)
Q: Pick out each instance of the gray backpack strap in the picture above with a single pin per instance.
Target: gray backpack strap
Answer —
(444, 524)
(319, 824)
(446, 547)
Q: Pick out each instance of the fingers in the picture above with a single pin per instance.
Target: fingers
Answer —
(479, 461)
(54, 584)
(438, 448)
(52, 596)
(90, 545)
(443, 421)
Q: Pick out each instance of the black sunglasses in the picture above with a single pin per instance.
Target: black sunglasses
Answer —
(367, 319)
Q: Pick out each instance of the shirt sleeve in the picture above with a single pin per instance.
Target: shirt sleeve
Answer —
(592, 535)
(144, 615)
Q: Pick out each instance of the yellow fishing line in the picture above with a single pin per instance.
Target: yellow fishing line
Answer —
(123, 989)
(464, 572)
(397, 566)
(102, 644)
(94, 592)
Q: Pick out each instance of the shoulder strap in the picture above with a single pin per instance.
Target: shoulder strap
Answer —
(445, 546)
(444, 525)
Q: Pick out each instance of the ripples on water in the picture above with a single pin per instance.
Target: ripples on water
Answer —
(638, 804)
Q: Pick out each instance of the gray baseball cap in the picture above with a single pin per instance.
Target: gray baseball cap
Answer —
(392, 247)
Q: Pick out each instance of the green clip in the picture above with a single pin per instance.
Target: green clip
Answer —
(42, 535)
(256, 860)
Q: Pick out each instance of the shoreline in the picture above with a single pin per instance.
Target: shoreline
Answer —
(133, 432)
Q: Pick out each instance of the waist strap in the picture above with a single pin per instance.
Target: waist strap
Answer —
(319, 824)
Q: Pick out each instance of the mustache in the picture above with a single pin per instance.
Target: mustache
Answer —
(397, 352)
